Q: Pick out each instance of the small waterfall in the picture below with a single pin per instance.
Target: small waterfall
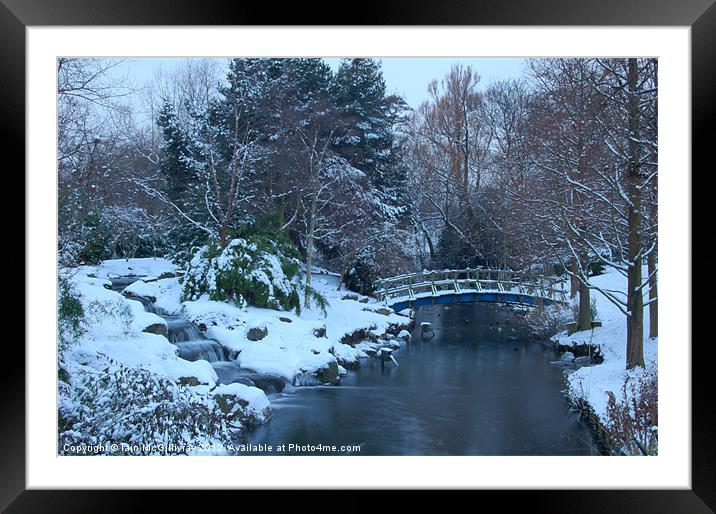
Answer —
(119, 283)
(148, 306)
(180, 330)
(206, 349)
(192, 345)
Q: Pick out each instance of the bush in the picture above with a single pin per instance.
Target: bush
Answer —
(258, 272)
(131, 406)
(633, 419)
(544, 322)
(70, 314)
(596, 268)
(361, 278)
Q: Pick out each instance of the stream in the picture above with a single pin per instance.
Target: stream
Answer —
(473, 387)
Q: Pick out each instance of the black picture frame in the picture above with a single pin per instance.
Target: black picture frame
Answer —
(700, 15)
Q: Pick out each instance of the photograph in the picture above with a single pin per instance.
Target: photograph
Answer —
(357, 256)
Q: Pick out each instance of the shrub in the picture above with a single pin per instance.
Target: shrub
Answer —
(544, 322)
(70, 314)
(361, 278)
(258, 272)
(131, 406)
(633, 419)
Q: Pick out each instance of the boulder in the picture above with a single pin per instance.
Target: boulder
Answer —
(404, 334)
(157, 328)
(364, 299)
(329, 374)
(270, 384)
(237, 410)
(382, 310)
(190, 381)
(567, 356)
(319, 332)
(256, 333)
(285, 320)
(350, 297)
(584, 360)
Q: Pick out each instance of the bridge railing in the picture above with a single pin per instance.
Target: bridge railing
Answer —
(433, 283)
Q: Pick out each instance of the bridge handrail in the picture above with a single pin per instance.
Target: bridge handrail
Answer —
(486, 279)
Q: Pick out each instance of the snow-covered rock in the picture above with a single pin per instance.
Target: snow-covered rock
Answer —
(164, 294)
(246, 404)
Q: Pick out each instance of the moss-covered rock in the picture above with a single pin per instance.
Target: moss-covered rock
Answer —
(329, 374)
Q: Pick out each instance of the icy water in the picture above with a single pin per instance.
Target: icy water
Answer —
(473, 389)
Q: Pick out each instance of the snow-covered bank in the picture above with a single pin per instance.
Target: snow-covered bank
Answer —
(592, 383)
(115, 330)
(292, 346)
(120, 338)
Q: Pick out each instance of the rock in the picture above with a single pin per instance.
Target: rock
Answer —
(256, 333)
(270, 384)
(561, 364)
(190, 381)
(383, 310)
(364, 299)
(329, 374)
(246, 381)
(234, 409)
(350, 297)
(285, 320)
(404, 334)
(359, 335)
(567, 356)
(584, 360)
(392, 343)
(157, 328)
(319, 332)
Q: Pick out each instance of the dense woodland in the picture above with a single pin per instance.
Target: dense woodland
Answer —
(555, 173)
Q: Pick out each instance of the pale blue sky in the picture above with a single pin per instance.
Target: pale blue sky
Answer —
(408, 77)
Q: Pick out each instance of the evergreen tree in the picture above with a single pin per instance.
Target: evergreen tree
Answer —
(173, 164)
(370, 143)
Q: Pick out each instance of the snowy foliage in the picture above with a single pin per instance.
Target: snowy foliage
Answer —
(131, 406)
(244, 273)
(633, 416)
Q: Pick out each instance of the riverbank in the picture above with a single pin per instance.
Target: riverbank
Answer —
(315, 347)
(589, 387)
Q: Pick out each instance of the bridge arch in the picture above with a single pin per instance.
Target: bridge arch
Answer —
(469, 285)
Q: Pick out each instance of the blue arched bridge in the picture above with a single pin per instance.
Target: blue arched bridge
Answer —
(469, 285)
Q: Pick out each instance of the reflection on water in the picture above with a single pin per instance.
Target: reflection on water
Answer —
(473, 389)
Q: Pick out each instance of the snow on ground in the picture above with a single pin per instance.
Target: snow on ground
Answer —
(593, 382)
(114, 329)
(165, 294)
(295, 347)
(291, 348)
(150, 267)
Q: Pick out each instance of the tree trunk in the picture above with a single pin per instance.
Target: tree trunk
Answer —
(635, 302)
(584, 321)
(574, 282)
(223, 233)
(653, 302)
(309, 253)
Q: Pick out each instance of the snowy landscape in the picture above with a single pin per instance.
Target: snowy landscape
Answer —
(229, 230)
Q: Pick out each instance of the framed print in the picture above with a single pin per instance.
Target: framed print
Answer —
(422, 254)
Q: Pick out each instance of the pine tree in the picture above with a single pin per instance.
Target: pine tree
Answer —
(369, 144)
(173, 164)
